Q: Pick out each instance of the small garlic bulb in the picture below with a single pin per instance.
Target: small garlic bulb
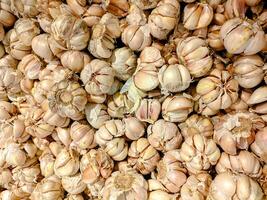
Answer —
(47, 161)
(242, 36)
(96, 114)
(217, 91)
(244, 162)
(196, 124)
(171, 172)
(98, 77)
(199, 153)
(193, 52)
(176, 108)
(174, 78)
(15, 156)
(134, 128)
(142, 156)
(236, 131)
(54, 119)
(116, 7)
(148, 110)
(30, 66)
(71, 32)
(163, 18)
(96, 165)
(75, 60)
(230, 186)
(259, 145)
(136, 37)
(248, 70)
(196, 187)
(235, 8)
(123, 61)
(73, 184)
(197, 15)
(66, 163)
(164, 136)
(68, 98)
(93, 14)
(49, 188)
(124, 185)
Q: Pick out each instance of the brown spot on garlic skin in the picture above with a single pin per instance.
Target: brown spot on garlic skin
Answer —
(245, 162)
(117, 7)
(236, 131)
(230, 186)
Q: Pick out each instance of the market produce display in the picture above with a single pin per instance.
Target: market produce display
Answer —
(133, 100)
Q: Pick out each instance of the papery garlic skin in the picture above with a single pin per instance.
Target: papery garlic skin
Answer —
(142, 156)
(174, 78)
(230, 186)
(98, 77)
(199, 153)
(258, 96)
(47, 161)
(217, 91)
(117, 7)
(198, 15)
(241, 36)
(93, 14)
(124, 185)
(259, 145)
(31, 66)
(24, 8)
(235, 8)
(196, 187)
(236, 131)
(176, 108)
(164, 18)
(248, 70)
(164, 136)
(134, 128)
(196, 124)
(214, 39)
(245, 162)
(171, 172)
(193, 53)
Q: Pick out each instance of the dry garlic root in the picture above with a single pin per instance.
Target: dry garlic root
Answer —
(133, 100)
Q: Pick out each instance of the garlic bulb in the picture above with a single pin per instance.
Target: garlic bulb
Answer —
(217, 91)
(142, 156)
(70, 32)
(196, 124)
(194, 53)
(134, 128)
(174, 78)
(93, 14)
(124, 185)
(230, 186)
(73, 184)
(171, 172)
(176, 108)
(163, 18)
(242, 36)
(95, 165)
(98, 77)
(164, 136)
(197, 15)
(259, 145)
(123, 61)
(117, 7)
(236, 131)
(245, 162)
(196, 187)
(248, 70)
(235, 8)
(47, 161)
(199, 153)
(68, 98)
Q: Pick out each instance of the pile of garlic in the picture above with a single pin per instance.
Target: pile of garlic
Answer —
(133, 99)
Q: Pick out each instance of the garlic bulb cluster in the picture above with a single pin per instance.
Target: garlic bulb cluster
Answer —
(133, 100)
